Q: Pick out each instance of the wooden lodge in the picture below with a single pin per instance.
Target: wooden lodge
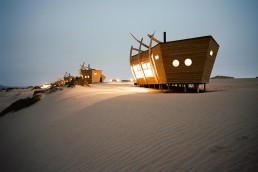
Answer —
(91, 75)
(185, 63)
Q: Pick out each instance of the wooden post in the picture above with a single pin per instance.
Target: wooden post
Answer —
(196, 86)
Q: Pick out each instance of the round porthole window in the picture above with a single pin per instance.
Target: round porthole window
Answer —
(211, 53)
(175, 63)
(188, 62)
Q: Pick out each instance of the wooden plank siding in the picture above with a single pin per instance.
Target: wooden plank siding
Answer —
(96, 76)
(196, 49)
(92, 75)
(210, 60)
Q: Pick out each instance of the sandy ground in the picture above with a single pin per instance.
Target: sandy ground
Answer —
(119, 127)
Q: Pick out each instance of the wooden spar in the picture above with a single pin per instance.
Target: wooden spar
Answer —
(154, 39)
(139, 61)
(152, 60)
(146, 46)
(131, 50)
(82, 66)
(137, 50)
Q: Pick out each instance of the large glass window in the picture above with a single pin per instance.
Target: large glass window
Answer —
(147, 69)
(137, 71)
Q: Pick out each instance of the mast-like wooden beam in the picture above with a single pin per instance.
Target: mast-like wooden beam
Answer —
(139, 61)
(146, 46)
(154, 39)
(137, 49)
(153, 66)
(131, 65)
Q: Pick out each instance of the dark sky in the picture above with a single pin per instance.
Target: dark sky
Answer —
(40, 40)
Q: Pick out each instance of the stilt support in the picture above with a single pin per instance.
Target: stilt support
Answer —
(184, 88)
(196, 86)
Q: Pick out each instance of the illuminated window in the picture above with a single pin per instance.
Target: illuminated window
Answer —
(95, 73)
(148, 73)
(148, 65)
(147, 69)
(144, 66)
(175, 63)
(211, 53)
(137, 70)
(157, 57)
(138, 74)
(188, 62)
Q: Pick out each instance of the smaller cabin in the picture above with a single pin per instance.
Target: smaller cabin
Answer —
(91, 75)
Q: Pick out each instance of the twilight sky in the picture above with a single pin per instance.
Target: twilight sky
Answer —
(40, 40)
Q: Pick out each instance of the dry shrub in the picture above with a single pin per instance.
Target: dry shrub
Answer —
(78, 81)
(21, 103)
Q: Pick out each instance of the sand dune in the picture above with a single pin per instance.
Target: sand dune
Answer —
(119, 127)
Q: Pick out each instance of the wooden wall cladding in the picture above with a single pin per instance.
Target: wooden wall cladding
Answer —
(96, 75)
(156, 51)
(195, 49)
(210, 60)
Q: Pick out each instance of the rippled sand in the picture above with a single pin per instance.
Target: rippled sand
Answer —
(119, 127)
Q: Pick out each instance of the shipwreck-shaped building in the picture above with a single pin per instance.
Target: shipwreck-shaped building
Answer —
(181, 62)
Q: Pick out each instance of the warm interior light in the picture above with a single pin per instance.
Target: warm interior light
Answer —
(188, 62)
(148, 65)
(137, 70)
(147, 69)
(144, 66)
(138, 74)
(148, 73)
(175, 63)
(95, 73)
(157, 57)
(211, 53)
